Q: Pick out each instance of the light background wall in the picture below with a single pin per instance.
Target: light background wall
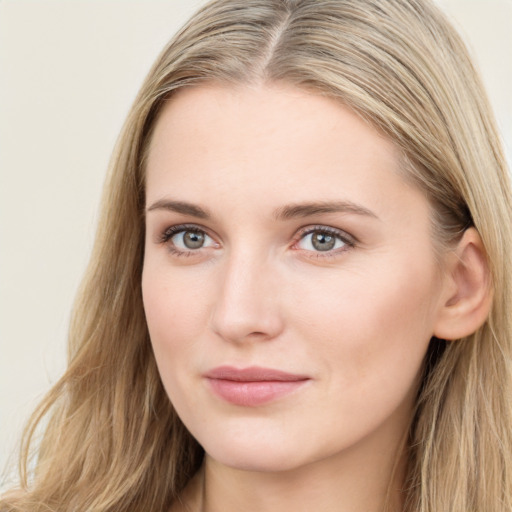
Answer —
(69, 70)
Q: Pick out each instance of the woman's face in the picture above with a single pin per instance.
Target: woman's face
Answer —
(290, 281)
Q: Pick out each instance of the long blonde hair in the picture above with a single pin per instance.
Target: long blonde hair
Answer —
(111, 439)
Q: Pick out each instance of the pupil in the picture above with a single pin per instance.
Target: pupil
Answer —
(193, 240)
(323, 241)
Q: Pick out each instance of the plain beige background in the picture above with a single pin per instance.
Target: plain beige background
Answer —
(69, 70)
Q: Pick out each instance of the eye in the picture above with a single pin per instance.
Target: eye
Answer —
(189, 239)
(324, 240)
(186, 239)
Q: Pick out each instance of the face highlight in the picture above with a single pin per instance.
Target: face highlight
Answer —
(290, 282)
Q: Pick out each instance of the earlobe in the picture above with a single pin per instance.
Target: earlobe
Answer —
(467, 289)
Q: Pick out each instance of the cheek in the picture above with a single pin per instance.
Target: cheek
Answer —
(373, 322)
(174, 301)
(177, 314)
(368, 338)
(175, 321)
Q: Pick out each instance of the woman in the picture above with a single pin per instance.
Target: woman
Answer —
(298, 297)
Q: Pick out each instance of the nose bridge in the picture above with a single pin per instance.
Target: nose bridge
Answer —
(247, 305)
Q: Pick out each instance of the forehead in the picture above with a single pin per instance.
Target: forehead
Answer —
(251, 113)
(236, 143)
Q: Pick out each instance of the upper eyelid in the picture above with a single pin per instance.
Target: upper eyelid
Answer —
(344, 235)
(178, 228)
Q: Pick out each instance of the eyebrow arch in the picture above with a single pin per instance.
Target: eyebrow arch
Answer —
(179, 207)
(317, 208)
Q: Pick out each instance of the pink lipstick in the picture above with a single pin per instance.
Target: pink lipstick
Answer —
(252, 386)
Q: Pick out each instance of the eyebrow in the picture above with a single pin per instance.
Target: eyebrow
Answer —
(180, 207)
(322, 207)
(284, 213)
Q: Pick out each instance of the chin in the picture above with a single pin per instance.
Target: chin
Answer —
(255, 461)
(256, 454)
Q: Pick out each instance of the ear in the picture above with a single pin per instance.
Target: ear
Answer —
(467, 293)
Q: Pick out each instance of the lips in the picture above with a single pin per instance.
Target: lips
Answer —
(253, 386)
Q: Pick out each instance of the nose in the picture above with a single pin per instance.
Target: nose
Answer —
(248, 305)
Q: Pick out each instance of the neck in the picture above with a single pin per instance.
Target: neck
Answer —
(351, 482)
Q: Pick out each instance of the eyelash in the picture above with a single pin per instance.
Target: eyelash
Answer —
(171, 231)
(348, 240)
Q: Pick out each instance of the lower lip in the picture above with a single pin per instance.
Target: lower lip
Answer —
(253, 393)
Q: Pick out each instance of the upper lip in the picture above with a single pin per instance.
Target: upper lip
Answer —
(252, 374)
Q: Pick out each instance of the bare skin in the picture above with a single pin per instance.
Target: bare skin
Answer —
(208, 491)
(281, 235)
